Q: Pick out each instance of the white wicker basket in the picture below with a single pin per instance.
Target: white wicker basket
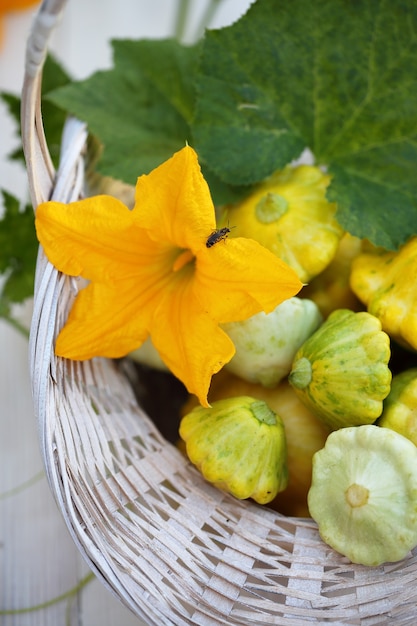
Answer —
(174, 549)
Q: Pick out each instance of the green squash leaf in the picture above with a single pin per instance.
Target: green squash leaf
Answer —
(140, 110)
(18, 250)
(336, 76)
(54, 76)
(167, 65)
(12, 103)
(136, 111)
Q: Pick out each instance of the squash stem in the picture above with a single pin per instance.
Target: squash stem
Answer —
(263, 413)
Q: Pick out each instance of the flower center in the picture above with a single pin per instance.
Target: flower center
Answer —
(182, 259)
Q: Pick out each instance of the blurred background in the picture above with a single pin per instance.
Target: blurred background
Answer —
(43, 580)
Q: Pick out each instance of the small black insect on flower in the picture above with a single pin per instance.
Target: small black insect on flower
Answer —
(217, 235)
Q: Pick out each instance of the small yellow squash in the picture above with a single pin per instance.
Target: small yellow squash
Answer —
(304, 434)
(290, 215)
(331, 289)
(386, 282)
(239, 445)
(400, 407)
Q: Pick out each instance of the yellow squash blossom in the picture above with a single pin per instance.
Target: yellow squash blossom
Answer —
(151, 273)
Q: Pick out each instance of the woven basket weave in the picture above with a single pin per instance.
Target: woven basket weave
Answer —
(173, 549)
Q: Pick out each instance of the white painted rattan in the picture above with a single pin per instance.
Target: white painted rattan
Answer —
(172, 548)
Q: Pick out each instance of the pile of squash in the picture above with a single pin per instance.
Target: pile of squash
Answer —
(313, 415)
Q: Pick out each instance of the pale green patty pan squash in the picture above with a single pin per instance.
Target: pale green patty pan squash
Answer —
(341, 372)
(363, 494)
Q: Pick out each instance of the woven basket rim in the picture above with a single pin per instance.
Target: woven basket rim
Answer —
(172, 548)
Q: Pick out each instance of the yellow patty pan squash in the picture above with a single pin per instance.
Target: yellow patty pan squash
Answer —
(304, 433)
(386, 282)
(331, 289)
(239, 445)
(290, 215)
(341, 372)
(400, 407)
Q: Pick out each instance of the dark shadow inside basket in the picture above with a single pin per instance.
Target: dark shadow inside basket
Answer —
(161, 395)
(401, 358)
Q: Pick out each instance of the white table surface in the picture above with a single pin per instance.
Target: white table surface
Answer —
(38, 560)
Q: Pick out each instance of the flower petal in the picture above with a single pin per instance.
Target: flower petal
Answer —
(188, 340)
(104, 322)
(174, 203)
(95, 238)
(238, 277)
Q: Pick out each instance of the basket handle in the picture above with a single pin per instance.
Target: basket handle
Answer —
(41, 172)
